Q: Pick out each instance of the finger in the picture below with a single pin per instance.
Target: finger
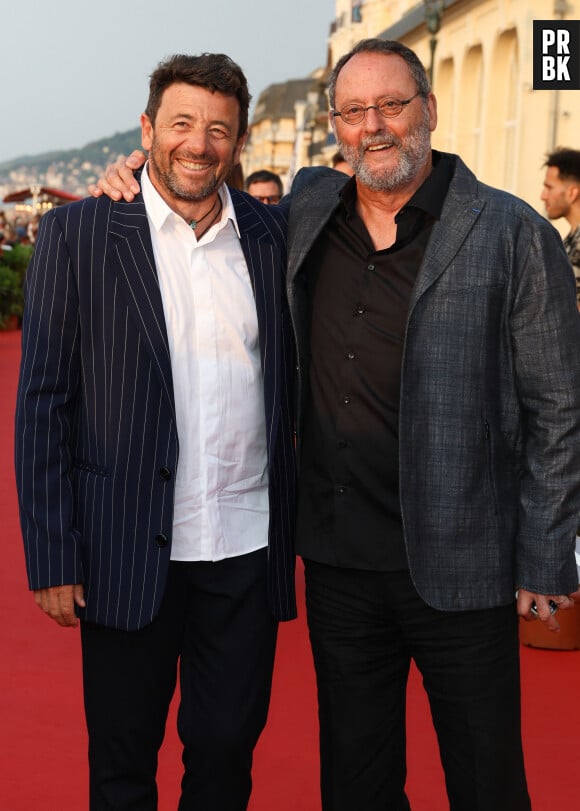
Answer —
(61, 606)
(94, 190)
(79, 595)
(111, 191)
(564, 601)
(136, 159)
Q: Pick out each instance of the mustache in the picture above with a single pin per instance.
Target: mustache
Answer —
(386, 139)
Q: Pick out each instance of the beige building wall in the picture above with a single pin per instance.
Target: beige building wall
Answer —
(483, 74)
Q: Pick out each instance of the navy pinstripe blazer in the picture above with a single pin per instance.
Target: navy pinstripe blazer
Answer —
(96, 438)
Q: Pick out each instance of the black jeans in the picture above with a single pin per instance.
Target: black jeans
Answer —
(216, 623)
(365, 627)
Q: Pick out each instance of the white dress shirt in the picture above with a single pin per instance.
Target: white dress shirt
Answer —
(221, 493)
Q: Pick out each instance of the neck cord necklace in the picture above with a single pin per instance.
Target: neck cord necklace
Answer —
(213, 219)
(194, 223)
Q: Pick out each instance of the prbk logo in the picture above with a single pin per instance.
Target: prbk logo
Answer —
(556, 54)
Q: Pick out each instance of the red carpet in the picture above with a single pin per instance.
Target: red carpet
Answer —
(42, 737)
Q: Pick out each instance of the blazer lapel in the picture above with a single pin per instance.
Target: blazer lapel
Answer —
(461, 211)
(309, 213)
(137, 275)
(264, 262)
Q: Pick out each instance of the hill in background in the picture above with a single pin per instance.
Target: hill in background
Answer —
(68, 170)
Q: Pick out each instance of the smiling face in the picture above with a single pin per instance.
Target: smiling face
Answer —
(193, 143)
(387, 154)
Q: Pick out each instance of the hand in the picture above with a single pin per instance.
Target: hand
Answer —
(526, 598)
(118, 181)
(59, 602)
(576, 595)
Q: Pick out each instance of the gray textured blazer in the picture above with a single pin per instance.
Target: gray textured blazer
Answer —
(490, 394)
(96, 438)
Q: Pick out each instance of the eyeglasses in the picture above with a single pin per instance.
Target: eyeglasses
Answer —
(388, 107)
(268, 199)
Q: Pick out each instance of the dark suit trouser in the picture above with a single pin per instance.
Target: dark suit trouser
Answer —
(215, 622)
(365, 627)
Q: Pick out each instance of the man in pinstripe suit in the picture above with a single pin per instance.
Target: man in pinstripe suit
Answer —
(154, 454)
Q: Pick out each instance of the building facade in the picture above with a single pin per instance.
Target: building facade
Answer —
(480, 56)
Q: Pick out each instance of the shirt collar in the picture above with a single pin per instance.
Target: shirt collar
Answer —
(159, 212)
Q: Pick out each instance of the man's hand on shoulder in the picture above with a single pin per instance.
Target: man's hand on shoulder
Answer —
(118, 182)
(59, 602)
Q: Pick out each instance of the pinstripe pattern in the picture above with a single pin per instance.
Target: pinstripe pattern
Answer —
(95, 420)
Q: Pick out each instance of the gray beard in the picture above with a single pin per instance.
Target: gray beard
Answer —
(413, 150)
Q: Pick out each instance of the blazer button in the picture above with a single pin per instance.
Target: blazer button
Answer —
(165, 473)
(161, 540)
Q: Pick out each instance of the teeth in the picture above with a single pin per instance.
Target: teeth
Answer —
(190, 165)
(378, 147)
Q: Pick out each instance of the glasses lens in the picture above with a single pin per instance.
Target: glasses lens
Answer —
(389, 107)
(352, 114)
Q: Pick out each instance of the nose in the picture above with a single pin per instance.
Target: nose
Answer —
(373, 120)
(197, 141)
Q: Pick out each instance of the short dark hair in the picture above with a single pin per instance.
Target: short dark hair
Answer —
(566, 161)
(264, 176)
(216, 72)
(383, 46)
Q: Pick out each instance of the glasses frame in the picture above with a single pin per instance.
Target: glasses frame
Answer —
(268, 199)
(402, 102)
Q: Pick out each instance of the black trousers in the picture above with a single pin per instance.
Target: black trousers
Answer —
(216, 625)
(365, 627)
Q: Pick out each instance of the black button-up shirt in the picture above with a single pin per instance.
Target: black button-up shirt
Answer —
(349, 513)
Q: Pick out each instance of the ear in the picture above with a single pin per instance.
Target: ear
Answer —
(573, 193)
(146, 132)
(432, 110)
(332, 121)
(240, 144)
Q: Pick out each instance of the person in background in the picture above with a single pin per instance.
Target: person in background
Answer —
(561, 196)
(157, 503)
(438, 440)
(339, 163)
(265, 186)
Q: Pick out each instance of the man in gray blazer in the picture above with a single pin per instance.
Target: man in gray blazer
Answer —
(154, 447)
(439, 386)
(438, 441)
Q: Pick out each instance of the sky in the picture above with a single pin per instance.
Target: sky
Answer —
(74, 71)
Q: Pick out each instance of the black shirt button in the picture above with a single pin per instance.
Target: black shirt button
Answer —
(346, 400)
(350, 355)
(341, 443)
(161, 540)
(342, 490)
(165, 473)
(370, 267)
(360, 309)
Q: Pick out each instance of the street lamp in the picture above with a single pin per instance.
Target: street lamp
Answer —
(432, 16)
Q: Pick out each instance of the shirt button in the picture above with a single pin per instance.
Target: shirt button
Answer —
(342, 490)
(360, 309)
(161, 540)
(165, 473)
(370, 267)
(350, 355)
(341, 443)
(346, 400)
